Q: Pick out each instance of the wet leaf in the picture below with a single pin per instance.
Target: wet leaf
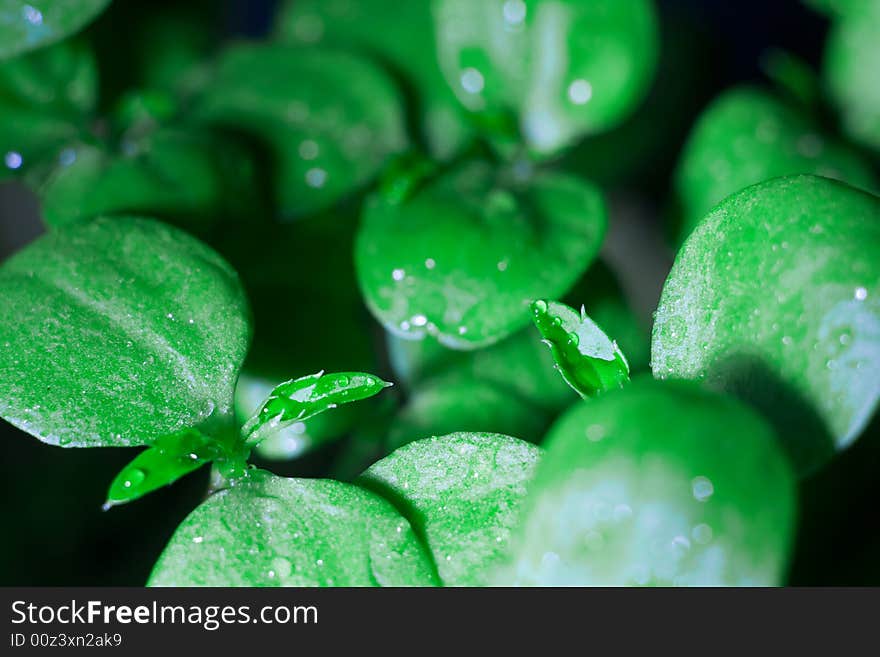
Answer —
(271, 531)
(118, 332)
(462, 257)
(775, 298)
(562, 69)
(588, 360)
(660, 483)
(331, 119)
(169, 459)
(400, 37)
(747, 136)
(303, 398)
(462, 493)
(25, 25)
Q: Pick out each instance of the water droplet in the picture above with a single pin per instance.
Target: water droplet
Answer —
(343, 381)
(13, 160)
(398, 274)
(596, 432)
(472, 81)
(67, 157)
(320, 562)
(32, 15)
(580, 92)
(430, 263)
(514, 12)
(787, 340)
(419, 320)
(540, 307)
(316, 177)
(198, 539)
(502, 265)
(135, 477)
(702, 488)
(861, 293)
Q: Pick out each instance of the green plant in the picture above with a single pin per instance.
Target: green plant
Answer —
(398, 190)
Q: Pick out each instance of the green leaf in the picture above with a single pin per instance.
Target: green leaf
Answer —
(660, 483)
(399, 36)
(46, 100)
(331, 119)
(292, 440)
(271, 531)
(563, 69)
(170, 458)
(518, 365)
(299, 399)
(118, 332)
(458, 402)
(851, 61)
(191, 177)
(462, 493)
(28, 25)
(463, 256)
(747, 136)
(588, 360)
(775, 297)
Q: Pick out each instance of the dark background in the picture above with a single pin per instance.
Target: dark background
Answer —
(54, 532)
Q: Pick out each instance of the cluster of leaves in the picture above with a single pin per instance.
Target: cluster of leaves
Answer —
(410, 159)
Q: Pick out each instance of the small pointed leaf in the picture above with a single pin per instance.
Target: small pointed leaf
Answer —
(588, 360)
(170, 458)
(300, 399)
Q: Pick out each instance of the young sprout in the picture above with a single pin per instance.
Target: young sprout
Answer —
(307, 396)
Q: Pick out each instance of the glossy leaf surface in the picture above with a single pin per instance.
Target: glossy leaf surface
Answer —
(588, 360)
(118, 332)
(26, 25)
(166, 461)
(398, 35)
(464, 255)
(300, 399)
(562, 69)
(294, 439)
(330, 118)
(775, 297)
(660, 483)
(520, 364)
(462, 492)
(747, 136)
(271, 531)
